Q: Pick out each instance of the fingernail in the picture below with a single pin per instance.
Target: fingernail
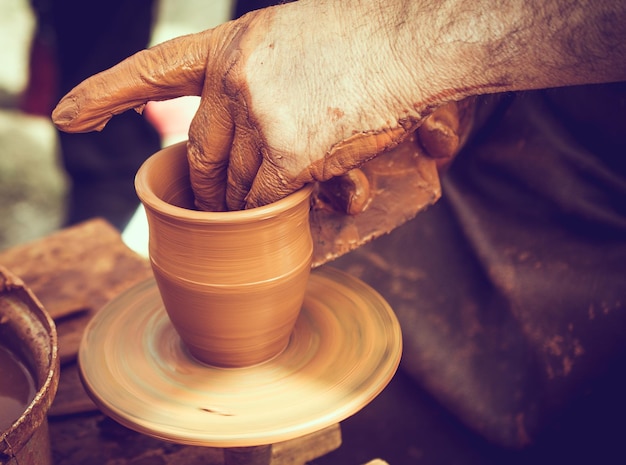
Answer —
(64, 113)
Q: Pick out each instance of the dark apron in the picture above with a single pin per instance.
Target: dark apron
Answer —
(511, 290)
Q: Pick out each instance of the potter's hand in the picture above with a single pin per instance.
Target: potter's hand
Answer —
(309, 90)
(291, 94)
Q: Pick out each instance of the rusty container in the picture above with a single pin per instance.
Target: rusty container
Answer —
(28, 331)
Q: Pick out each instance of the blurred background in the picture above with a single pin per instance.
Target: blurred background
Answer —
(34, 183)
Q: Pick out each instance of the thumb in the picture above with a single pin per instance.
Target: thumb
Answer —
(172, 69)
(348, 194)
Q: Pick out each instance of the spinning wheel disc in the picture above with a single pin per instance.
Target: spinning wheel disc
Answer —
(345, 348)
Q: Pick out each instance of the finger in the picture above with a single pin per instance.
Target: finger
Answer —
(245, 158)
(354, 151)
(172, 69)
(349, 194)
(208, 150)
(270, 185)
(245, 161)
(439, 133)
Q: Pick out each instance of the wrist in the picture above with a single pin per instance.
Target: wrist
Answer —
(422, 54)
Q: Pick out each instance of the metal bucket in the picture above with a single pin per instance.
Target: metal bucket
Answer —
(28, 332)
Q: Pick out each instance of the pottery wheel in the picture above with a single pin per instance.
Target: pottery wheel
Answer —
(345, 348)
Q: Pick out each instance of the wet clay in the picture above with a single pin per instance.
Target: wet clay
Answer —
(344, 349)
(232, 282)
(17, 387)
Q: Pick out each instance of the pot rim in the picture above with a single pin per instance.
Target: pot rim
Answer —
(159, 206)
(36, 412)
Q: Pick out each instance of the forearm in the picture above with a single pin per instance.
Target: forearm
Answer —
(557, 43)
(485, 45)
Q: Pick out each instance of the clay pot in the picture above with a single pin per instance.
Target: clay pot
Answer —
(232, 283)
(29, 334)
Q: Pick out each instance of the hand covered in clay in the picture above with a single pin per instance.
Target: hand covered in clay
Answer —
(286, 100)
(306, 91)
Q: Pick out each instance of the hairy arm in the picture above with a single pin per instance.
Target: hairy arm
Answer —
(498, 45)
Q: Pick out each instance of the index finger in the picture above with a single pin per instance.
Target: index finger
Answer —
(172, 69)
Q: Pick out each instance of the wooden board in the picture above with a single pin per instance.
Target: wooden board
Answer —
(73, 273)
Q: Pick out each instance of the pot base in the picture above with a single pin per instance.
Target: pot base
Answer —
(344, 350)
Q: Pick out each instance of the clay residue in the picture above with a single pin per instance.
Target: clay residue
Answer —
(335, 113)
(562, 353)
